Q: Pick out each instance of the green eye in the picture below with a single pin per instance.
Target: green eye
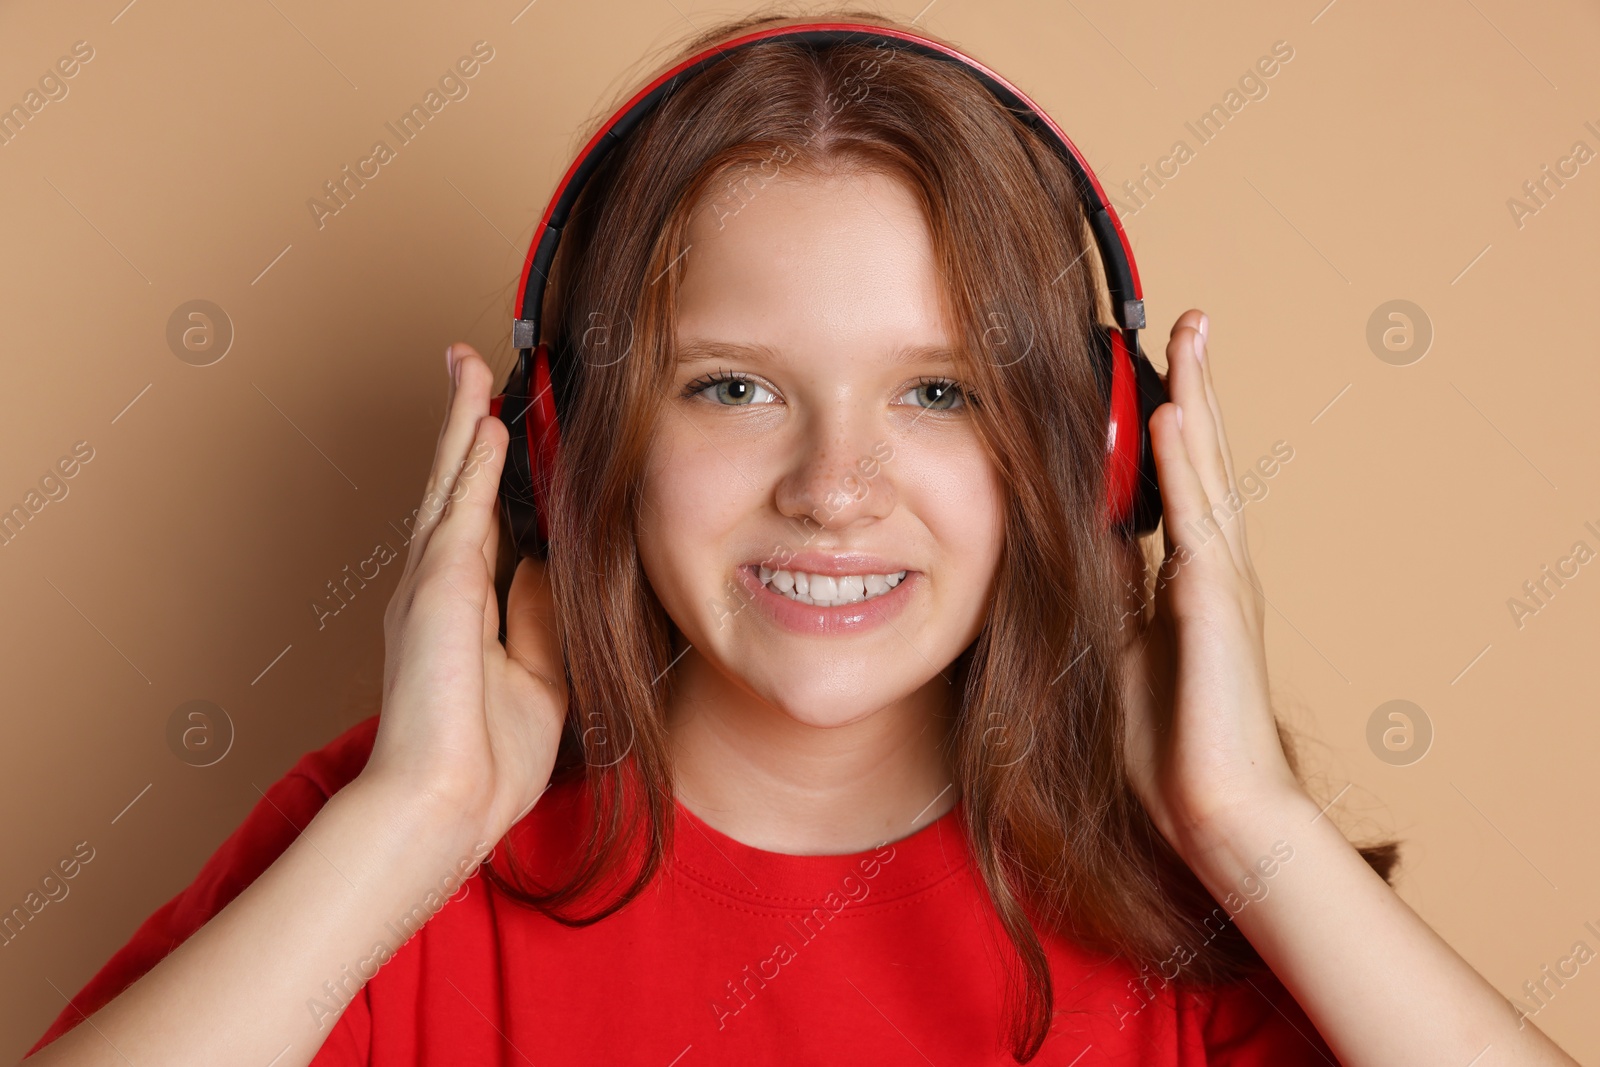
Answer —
(728, 389)
(731, 389)
(941, 394)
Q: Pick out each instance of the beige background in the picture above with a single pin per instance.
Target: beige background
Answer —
(183, 561)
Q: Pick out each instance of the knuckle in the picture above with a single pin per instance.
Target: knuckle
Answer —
(456, 572)
(395, 615)
(473, 366)
(431, 599)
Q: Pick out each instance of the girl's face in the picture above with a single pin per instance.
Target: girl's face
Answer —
(812, 428)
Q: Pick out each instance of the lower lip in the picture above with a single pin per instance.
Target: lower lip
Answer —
(816, 621)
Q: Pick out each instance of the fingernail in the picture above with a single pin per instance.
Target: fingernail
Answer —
(1180, 416)
(449, 363)
(1205, 324)
(1200, 347)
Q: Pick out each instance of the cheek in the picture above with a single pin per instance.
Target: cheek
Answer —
(692, 485)
(960, 497)
(689, 503)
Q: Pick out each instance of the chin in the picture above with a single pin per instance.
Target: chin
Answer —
(828, 716)
(842, 698)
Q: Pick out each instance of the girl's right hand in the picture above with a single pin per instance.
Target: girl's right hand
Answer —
(466, 722)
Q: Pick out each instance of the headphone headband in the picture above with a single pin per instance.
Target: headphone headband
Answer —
(1122, 276)
(1130, 386)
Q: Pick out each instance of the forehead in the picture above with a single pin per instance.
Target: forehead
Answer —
(830, 262)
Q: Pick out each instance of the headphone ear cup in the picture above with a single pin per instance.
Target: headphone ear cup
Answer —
(518, 498)
(1130, 389)
(544, 438)
(1152, 390)
(1101, 348)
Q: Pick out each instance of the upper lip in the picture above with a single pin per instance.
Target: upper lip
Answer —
(832, 563)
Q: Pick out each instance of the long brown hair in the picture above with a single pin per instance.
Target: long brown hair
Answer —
(1055, 829)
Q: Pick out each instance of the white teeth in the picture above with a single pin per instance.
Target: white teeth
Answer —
(826, 590)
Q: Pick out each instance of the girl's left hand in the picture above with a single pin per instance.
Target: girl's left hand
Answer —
(1202, 744)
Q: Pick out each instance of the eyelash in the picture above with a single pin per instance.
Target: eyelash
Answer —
(704, 382)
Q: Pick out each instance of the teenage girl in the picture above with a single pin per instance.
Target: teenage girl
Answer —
(836, 728)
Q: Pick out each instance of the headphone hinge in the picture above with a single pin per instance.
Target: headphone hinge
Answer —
(522, 333)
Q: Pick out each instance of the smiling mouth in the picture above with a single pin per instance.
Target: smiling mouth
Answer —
(827, 590)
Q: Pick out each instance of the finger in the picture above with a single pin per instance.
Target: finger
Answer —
(469, 403)
(455, 552)
(491, 540)
(1235, 528)
(531, 634)
(1203, 328)
(1186, 385)
(473, 503)
(1183, 493)
(1206, 450)
(490, 550)
(425, 515)
(1222, 433)
(449, 394)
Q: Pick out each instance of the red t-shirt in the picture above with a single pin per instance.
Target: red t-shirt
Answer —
(732, 955)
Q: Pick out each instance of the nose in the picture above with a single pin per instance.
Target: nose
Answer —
(839, 474)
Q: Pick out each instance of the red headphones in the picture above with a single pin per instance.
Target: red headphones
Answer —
(1131, 387)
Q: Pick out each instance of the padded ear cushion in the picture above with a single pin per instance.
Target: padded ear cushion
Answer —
(1152, 394)
(529, 408)
(544, 435)
(519, 498)
(1130, 389)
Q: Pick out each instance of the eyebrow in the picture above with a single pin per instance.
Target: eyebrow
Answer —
(703, 351)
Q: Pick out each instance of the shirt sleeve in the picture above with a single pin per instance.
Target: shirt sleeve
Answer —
(1254, 1022)
(284, 810)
